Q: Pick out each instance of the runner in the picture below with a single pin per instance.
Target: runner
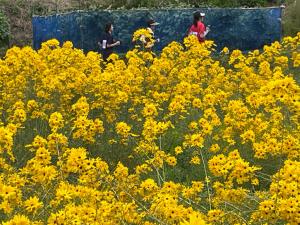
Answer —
(198, 28)
(108, 43)
(151, 24)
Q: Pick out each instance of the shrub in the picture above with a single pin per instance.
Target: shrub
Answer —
(4, 30)
(291, 23)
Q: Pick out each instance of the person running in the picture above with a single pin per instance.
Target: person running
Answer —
(108, 42)
(151, 24)
(198, 28)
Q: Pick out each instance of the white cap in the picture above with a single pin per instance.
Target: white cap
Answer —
(154, 24)
(202, 14)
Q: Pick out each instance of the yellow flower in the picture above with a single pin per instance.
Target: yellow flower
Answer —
(214, 148)
(194, 219)
(178, 150)
(225, 50)
(197, 103)
(171, 160)
(33, 204)
(18, 220)
(123, 129)
(195, 160)
(56, 121)
(149, 110)
(215, 215)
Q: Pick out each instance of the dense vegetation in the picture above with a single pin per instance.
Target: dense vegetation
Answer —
(4, 31)
(176, 139)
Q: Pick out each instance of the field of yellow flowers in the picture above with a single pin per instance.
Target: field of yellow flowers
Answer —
(188, 137)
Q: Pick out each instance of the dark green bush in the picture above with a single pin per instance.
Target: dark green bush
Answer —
(4, 30)
(291, 22)
(172, 3)
(4, 34)
(191, 3)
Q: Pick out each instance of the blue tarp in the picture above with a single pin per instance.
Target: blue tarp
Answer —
(244, 29)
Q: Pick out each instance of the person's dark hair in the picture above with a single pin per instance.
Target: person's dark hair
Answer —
(107, 27)
(197, 17)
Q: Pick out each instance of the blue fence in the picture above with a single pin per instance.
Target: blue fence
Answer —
(244, 29)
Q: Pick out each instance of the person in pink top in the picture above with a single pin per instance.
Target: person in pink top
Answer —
(198, 28)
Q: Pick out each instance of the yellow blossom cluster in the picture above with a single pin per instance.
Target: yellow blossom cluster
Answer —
(186, 137)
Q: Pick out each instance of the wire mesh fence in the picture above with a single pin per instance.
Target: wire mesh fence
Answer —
(236, 28)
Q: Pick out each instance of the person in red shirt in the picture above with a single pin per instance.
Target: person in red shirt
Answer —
(198, 28)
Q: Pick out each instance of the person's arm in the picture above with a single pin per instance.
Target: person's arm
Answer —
(143, 39)
(203, 31)
(113, 45)
(207, 30)
(100, 43)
